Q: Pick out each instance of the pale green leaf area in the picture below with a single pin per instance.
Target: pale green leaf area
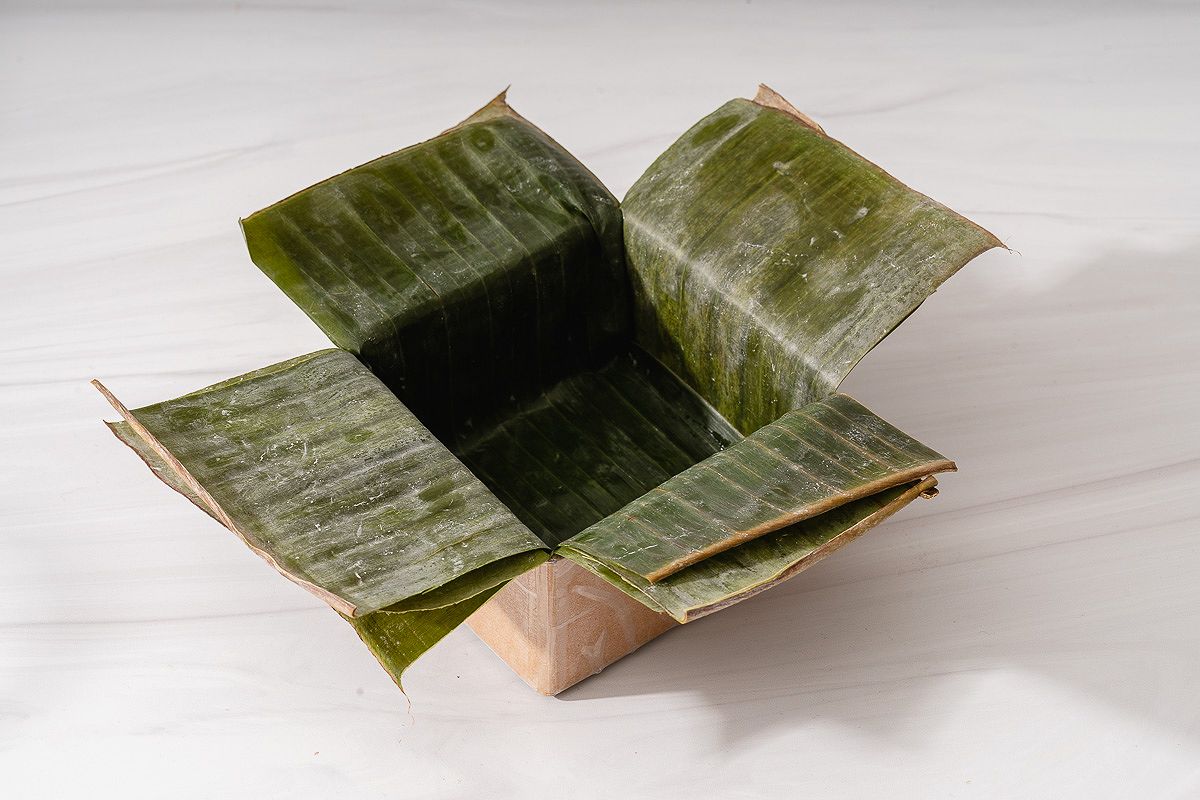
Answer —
(768, 259)
(321, 466)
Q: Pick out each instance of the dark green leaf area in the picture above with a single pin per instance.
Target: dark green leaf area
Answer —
(471, 270)
(592, 443)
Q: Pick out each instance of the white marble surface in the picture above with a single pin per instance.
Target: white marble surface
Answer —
(1033, 633)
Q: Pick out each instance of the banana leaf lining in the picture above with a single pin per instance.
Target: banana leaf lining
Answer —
(526, 367)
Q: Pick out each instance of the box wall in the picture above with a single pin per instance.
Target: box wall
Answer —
(559, 623)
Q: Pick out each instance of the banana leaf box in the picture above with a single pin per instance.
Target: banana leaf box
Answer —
(570, 422)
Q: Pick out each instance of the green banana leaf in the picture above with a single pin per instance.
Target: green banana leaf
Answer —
(768, 259)
(398, 638)
(805, 463)
(467, 272)
(732, 576)
(526, 366)
(738, 521)
(320, 469)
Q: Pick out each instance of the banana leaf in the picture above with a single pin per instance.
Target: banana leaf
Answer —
(767, 258)
(467, 272)
(778, 500)
(805, 463)
(526, 367)
(317, 466)
(734, 575)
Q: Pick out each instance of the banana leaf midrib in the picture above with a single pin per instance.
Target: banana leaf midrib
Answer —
(798, 515)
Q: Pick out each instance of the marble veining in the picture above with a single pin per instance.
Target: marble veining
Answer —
(1033, 632)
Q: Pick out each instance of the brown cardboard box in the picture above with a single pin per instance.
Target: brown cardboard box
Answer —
(559, 623)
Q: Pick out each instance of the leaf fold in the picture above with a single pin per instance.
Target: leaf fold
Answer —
(322, 471)
(804, 464)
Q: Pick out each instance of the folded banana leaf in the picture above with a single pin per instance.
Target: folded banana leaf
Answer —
(527, 367)
(767, 258)
(748, 516)
(467, 272)
(738, 574)
(320, 469)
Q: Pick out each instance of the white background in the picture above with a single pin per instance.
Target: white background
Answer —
(1032, 633)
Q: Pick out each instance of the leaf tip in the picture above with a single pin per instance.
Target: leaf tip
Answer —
(769, 98)
(117, 405)
(499, 102)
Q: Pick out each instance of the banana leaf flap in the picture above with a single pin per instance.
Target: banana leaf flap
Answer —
(760, 511)
(805, 463)
(767, 258)
(320, 469)
(527, 367)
